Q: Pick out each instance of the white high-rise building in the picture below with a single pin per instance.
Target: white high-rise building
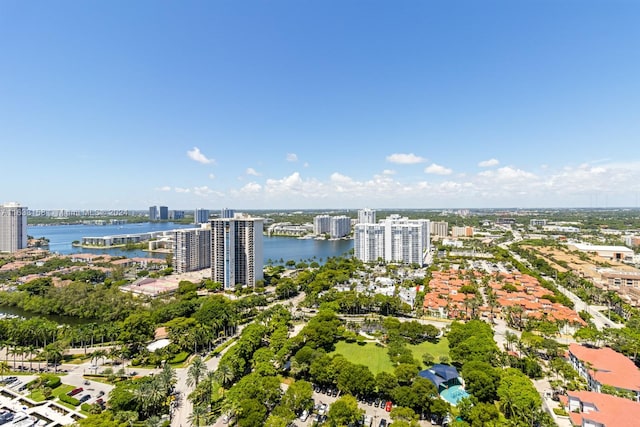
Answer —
(321, 224)
(13, 227)
(368, 242)
(192, 249)
(394, 239)
(339, 226)
(366, 216)
(236, 251)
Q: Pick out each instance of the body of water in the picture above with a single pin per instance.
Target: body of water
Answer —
(275, 248)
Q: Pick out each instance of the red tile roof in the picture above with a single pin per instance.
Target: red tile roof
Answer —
(609, 366)
(610, 411)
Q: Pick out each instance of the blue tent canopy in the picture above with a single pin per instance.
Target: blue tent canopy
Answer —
(439, 374)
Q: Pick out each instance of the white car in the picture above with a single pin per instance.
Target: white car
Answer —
(304, 415)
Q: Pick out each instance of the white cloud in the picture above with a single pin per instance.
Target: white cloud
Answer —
(252, 187)
(611, 184)
(405, 159)
(306, 164)
(388, 172)
(202, 191)
(196, 155)
(292, 157)
(252, 171)
(437, 170)
(489, 163)
(212, 176)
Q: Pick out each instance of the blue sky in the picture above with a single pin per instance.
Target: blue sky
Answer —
(320, 104)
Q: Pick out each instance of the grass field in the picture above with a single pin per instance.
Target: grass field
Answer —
(37, 395)
(377, 359)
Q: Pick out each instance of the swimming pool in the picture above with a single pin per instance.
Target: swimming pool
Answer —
(454, 394)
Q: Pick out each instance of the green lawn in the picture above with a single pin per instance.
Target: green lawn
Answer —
(37, 395)
(436, 350)
(377, 359)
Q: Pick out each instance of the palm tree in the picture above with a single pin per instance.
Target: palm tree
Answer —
(196, 372)
(225, 375)
(167, 377)
(198, 413)
(4, 369)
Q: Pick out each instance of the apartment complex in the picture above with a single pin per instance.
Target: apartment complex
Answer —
(461, 231)
(394, 239)
(366, 216)
(192, 249)
(236, 251)
(605, 366)
(439, 228)
(13, 227)
(158, 213)
(227, 213)
(335, 226)
(201, 216)
(589, 409)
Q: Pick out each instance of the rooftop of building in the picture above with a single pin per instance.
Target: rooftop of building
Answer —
(607, 366)
(611, 411)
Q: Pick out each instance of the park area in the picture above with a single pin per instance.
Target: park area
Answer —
(375, 356)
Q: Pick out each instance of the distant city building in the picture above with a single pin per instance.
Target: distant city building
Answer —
(154, 215)
(439, 228)
(538, 222)
(192, 249)
(163, 213)
(505, 221)
(236, 251)
(176, 214)
(560, 228)
(201, 216)
(461, 231)
(340, 226)
(394, 239)
(227, 213)
(618, 253)
(321, 224)
(13, 227)
(366, 216)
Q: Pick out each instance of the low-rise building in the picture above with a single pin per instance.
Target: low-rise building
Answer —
(589, 409)
(605, 367)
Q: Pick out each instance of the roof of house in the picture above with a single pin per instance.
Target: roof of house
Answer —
(611, 411)
(609, 367)
(439, 373)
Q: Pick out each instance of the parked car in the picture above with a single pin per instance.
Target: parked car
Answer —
(388, 406)
(85, 398)
(304, 415)
(75, 391)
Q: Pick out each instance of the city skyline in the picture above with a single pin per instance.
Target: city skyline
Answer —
(284, 105)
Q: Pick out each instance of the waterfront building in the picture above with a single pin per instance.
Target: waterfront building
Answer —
(237, 251)
(153, 213)
(366, 216)
(321, 224)
(394, 239)
(13, 227)
(368, 242)
(176, 214)
(201, 216)
(163, 213)
(407, 241)
(439, 228)
(339, 226)
(192, 249)
(227, 213)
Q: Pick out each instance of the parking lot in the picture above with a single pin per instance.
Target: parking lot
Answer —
(319, 398)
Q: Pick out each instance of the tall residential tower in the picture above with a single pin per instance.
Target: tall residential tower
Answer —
(13, 227)
(236, 251)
